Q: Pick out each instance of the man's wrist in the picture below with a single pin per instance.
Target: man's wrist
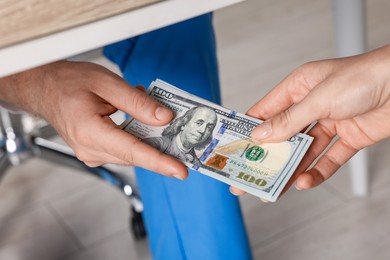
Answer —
(18, 91)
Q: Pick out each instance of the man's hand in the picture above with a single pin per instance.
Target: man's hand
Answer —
(77, 98)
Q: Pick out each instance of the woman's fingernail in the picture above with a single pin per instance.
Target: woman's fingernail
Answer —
(265, 201)
(296, 187)
(262, 131)
(232, 191)
(163, 113)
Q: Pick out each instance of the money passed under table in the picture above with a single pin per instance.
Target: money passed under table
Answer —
(216, 141)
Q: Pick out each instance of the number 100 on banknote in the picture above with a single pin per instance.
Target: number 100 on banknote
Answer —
(215, 141)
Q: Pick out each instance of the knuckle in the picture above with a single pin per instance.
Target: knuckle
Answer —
(81, 135)
(308, 66)
(329, 165)
(77, 135)
(285, 117)
(128, 156)
(264, 113)
(139, 100)
(82, 156)
(92, 164)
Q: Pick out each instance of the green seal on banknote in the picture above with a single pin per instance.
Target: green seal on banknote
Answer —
(254, 153)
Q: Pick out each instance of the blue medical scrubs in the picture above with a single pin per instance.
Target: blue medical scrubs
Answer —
(197, 218)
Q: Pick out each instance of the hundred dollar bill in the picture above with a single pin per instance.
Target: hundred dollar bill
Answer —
(215, 141)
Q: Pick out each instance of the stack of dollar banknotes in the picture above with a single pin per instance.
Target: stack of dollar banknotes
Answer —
(215, 141)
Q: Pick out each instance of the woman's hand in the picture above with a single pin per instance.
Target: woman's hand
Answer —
(349, 98)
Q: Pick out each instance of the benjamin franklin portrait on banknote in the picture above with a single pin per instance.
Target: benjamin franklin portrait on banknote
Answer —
(191, 131)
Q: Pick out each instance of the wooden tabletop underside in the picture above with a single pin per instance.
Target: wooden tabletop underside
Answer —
(28, 19)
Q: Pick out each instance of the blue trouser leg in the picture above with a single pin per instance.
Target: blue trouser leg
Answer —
(197, 218)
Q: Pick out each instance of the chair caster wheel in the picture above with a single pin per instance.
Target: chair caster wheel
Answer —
(137, 225)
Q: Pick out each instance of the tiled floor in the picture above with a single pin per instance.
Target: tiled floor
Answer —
(51, 212)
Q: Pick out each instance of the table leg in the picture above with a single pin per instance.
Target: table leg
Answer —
(350, 37)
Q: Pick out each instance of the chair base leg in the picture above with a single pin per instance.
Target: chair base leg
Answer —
(4, 163)
(17, 146)
(63, 155)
